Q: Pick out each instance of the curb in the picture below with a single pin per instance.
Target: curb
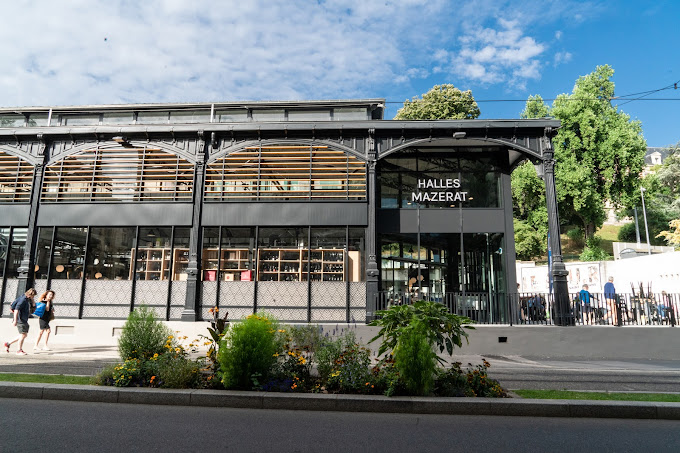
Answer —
(344, 403)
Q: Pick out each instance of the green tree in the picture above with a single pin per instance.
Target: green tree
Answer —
(528, 197)
(529, 243)
(672, 235)
(599, 152)
(442, 102)
(535, 108)
(669, 177)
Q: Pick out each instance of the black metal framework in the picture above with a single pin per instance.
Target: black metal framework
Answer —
(327, 160)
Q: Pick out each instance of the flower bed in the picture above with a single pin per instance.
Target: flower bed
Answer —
(258, 353)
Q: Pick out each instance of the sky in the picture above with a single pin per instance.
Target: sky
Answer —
(124, 51)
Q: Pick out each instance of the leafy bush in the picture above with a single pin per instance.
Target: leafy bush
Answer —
(142, 335)
(474, 381)
(247, 350)
(127, 373)
(292, 370)
(415, 360)
(350, 372)
(441, 328)
(575, 235)
(177, 371)
(529, 243)
(105, 376)
(593, 250)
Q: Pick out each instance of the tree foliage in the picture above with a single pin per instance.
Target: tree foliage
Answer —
(442, 102)
(535, 108)
(529, 243)
(672, 235)
(599, 152)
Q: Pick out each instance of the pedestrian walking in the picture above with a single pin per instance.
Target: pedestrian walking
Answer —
(44, 310)
(21, 309)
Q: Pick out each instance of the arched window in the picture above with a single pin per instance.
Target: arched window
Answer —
(287, 172)
(126, 174)
(16, 179)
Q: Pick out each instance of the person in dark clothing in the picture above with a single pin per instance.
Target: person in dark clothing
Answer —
(610, 297)
(21, 309)
(586, 298)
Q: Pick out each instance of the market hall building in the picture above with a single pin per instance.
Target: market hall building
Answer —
(316, 211)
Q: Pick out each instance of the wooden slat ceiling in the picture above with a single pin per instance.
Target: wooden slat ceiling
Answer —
(126, 174)
(286, 172)
(16, 179)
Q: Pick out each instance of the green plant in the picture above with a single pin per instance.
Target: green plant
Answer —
(248, 348)
(351, 371)
(415, 360)
(177, 371)
(126, 374)
(441, 328)
(474, 381)
(575, 235)
(329, 352)
(142, 335)
(593, 251)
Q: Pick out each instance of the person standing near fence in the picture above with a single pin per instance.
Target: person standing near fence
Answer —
(610, 297)
(21, 310)
(586, 298)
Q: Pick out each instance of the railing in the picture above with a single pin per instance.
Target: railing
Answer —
(657, 309)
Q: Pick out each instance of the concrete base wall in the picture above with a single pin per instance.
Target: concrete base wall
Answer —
(586, 342)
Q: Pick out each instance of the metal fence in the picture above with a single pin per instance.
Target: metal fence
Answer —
(654, 309)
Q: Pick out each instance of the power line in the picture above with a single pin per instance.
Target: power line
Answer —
(641, 97)
(563, 99)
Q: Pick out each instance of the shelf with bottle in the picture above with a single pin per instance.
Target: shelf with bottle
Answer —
(151, 263)
(301, 264)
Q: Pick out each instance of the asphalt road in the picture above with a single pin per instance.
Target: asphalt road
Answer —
(43, 425)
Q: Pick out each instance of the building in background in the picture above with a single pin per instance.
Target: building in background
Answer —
(315, 211)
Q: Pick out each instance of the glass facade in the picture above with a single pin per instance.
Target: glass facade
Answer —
(329, 254)
(448, 263)
(441, 179)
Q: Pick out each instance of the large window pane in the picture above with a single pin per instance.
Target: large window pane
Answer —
(211, 249)
(4, 249)
(69, 253)
(110, 254)
(154, 254)
(356, 267)
(237, 253)
(16, 252)
(43, 252)
(180, 252)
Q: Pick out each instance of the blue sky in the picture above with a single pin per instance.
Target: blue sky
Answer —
(101, 52)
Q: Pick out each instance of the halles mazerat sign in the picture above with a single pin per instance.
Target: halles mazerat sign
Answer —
(443, 190)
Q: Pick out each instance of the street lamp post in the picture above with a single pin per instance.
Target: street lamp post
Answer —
(644, 214)
(418, 246)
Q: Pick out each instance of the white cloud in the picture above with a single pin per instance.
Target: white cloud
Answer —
(561, 57)
(558, 35)
(492, 56)
(110, 51)
(83, 52)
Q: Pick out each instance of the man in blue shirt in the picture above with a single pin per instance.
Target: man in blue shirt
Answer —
(610, 297)
(21, 309)
(585, 298)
